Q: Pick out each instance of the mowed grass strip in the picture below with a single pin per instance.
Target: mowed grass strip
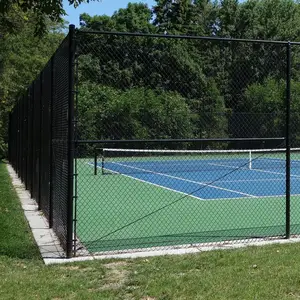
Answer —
(271, 272)
(254, 273)
(16, 239)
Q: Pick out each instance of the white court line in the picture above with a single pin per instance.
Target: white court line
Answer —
(184, 179)
(144, 181)
(257, 170)
(253, 180)
(202, 199)
(240, 198)
(259, 197)
(250, 180)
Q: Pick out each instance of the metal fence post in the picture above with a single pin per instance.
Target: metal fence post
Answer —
(41, 134)
(288, 142)
(70, 141)
(33, 138)
(51, 148)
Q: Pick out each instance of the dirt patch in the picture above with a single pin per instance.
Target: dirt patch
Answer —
(71, 268)
(116, 275)
(117, 264)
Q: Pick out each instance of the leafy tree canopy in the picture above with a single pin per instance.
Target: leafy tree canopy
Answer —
(22, 56)
(42, 11)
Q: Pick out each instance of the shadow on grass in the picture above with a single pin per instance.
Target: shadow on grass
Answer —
(16, 239)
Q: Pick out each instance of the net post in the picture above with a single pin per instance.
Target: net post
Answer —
(102, 161)
(250, 160)
(95, 162)
(288, 145)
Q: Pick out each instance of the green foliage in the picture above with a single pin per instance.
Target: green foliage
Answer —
(135, 18)
(15, 236)
(109, 113)
(267, 101)
(3, 149)
(217, 81)
(134, 87)
(41, 13)
(22, 57)
(185, 17)
(257, 19)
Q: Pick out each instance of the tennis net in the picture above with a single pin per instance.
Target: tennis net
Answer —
(128, 161)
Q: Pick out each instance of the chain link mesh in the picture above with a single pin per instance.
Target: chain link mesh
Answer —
(134, 193)
(60, 132)
(175, 141)
(39, 141)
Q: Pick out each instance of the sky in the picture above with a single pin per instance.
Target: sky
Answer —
(102, 7)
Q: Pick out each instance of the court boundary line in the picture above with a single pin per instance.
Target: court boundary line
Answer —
(199, 198)
(251, 180)
(188, 180)
(258, 197)
(177, 178)
(157, 185)
(254, 169)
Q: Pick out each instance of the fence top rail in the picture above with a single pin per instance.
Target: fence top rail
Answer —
(178, 140)
(189, 37)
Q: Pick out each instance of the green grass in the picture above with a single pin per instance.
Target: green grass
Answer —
(271, 272)
(118, 212)
(254, 273)
(15, 237)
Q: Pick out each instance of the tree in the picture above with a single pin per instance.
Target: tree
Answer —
(266, 102)
(42, 12)
(137, 113)
(190, 17)
(22, 57)
(135, 18)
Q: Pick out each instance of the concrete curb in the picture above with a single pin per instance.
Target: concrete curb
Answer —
(45, 238)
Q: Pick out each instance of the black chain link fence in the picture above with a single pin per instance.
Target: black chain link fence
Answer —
(41, 142)
(178, 141)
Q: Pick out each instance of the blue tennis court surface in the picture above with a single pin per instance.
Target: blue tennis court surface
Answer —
(142, 200)
(210, 179)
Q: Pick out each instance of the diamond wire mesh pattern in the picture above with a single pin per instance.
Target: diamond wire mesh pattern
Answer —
(60, 140)
(133, 89)
(39, 140)
(45, 166)
(144, 87)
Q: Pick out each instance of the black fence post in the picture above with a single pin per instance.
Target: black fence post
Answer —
(95, 162)
(51, 145)
(40, 139)
(70, 141)
(29, 140)
(288, 143)
(9, 138)
(25, 144)
(33, 136)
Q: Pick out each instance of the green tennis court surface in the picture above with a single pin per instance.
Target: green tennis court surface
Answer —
(122, 210)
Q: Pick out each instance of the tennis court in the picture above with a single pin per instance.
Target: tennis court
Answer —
(149, 198)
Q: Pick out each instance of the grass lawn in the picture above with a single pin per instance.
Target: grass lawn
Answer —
(271, 272)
